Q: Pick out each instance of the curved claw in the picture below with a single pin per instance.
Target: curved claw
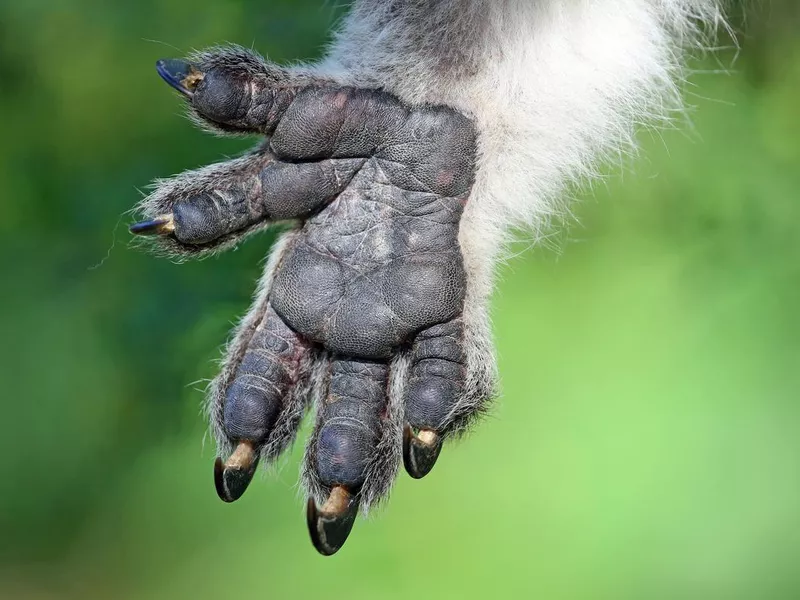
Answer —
(179, 74)
(232, 477)
(330, 525)
(163, 225)
(420, 451)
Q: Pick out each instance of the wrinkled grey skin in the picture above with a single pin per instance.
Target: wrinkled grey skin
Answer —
(364, 296)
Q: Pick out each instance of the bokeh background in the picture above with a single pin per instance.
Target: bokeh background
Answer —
(648, 442)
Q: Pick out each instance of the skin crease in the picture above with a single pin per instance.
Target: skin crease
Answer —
(403, 159)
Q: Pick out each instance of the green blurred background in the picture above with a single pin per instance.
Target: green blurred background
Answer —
(648, 442)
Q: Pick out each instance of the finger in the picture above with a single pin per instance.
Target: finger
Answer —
(344, 445)
(436, 385)
(237, 91)
(260, 399)
(309, 118)
(233, 89)
(206, 208)
(217, 205)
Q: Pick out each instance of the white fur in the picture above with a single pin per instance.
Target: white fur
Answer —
(555, 86)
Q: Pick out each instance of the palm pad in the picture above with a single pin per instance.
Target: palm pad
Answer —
(374, 267)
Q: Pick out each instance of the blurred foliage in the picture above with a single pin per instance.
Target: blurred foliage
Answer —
(648, 441)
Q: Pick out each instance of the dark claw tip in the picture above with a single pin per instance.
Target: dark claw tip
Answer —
(232, 478)
(420, 451)
(158, 226)
(181, 75)
(330, 525)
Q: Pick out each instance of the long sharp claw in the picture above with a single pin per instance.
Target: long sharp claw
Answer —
(181, 75)
(330, 525)
(232, 477)
(420, 451)
(163, 225)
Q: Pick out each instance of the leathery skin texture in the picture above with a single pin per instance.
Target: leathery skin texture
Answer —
(370, 276)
